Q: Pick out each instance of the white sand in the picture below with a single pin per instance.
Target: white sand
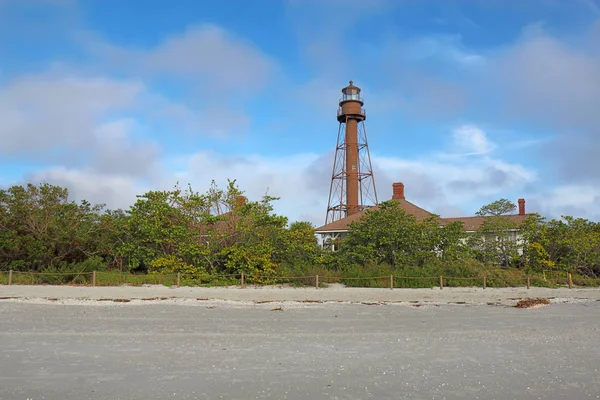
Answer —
(307, 351)
(270, 295)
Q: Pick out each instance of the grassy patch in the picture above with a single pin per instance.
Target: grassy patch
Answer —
(454, 275)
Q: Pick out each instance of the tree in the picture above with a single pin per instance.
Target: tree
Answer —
(165, 224)
(496, 239)
(581, 240)
(389, 235)
(567, 244)
(300, 246)
(536, 242)
(382, 236)
(258, 237)
(217, 232)
(452, 244)
(41, 228)
(497, 208)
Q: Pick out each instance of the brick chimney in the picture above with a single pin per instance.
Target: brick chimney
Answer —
(521, 206)
(398, 191)
(240, 201)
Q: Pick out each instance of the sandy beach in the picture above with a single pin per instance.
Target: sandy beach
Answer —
(223, 349)
(251, 295)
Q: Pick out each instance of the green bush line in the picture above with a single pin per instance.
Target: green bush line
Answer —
(497, 279)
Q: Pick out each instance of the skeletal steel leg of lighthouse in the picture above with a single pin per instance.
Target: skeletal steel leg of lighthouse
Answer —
(366, 179)
(337, 189)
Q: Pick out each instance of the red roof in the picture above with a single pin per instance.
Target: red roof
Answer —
(469, 223)
(343, 224)
(474, 223)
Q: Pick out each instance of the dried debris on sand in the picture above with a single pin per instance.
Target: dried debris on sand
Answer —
(532, 303)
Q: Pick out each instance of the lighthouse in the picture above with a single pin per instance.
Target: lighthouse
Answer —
(352, 186)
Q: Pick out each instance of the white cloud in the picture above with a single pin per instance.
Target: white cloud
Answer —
(551, 85)
(441, 47)
(573, 195)
(215, 56)
(472, 140)
(444, 180)
(211, 120)
(546, 84)
(550, 80)
(113, 190)
(39, 114)
(449, 187)
(101, 123)
(215, 72)
(440, 184)
(291, 178)
(214, 60)
(117, 151)
(577, 200)
(540, 79)
(302, 181)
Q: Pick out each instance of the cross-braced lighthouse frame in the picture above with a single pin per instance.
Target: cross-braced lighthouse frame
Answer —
(352, 186)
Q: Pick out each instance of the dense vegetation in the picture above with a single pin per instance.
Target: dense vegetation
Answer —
(214, 233)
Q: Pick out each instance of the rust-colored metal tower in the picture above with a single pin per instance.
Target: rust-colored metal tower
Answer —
(352, 182)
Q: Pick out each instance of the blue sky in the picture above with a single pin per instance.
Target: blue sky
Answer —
(468, 101)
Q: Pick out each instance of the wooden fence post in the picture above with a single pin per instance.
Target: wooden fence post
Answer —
(391, 282)
(316, 281)
(528, 283)
(484, 282)
(178, 279)
(242, 282)
(441, 282)
(10, 277)
(570, 281)
(94, 278)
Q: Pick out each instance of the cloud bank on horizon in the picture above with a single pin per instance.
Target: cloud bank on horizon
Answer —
(467, 101)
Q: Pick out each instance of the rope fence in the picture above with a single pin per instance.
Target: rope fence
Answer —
(95, 278)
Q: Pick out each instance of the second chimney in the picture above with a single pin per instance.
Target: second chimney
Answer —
(398, 191)
(240, 201)
(521, 206)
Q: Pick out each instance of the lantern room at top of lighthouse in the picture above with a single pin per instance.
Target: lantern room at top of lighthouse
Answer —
(351, 104)
(351, 93)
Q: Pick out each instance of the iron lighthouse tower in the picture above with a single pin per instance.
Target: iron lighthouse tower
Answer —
(352, 182)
